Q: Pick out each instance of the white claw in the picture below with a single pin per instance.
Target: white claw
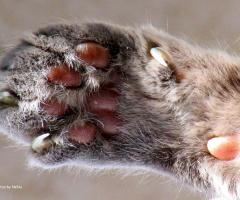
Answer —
(39, 144)
(8, 99)
(4, 94)
(161, 56)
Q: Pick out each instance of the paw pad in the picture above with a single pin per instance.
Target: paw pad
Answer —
(64, 75)
(93, 54)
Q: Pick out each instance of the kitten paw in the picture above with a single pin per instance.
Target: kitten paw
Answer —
(101, 95)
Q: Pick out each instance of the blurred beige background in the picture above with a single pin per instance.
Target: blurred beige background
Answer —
(212, 23)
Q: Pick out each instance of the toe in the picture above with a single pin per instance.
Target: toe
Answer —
(103, 100)
(82, 134)
(64, 75)
(110, 123)
(93, 54)
(55, 108)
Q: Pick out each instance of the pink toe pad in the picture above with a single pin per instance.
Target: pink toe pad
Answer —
(82, 134)
(93, 54)
(54, 108)
(64, 75)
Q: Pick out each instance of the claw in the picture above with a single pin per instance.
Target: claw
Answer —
(40, 143)
(161, 56)
(8, 99)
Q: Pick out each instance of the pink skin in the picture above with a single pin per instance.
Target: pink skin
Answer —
(82, 134)
(102, 100)
(102, 103)
(225, 147)
(110, 122)
(93, 54)
(62, 74)
(55, 108)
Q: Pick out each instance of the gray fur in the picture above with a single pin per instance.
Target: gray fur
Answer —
(169, 112)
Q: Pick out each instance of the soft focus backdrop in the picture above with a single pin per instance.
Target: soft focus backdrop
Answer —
(212, 24)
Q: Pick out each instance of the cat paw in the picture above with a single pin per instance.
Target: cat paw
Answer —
(101, 95)
(98, 94)
(63, 91)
